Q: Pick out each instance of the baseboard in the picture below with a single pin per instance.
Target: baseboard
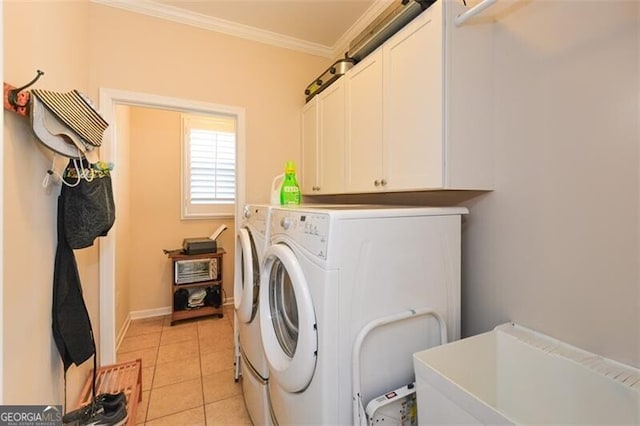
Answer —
(123, 331)
(134, 315)
(150, 313)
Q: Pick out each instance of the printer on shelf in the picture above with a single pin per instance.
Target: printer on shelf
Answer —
(202, 245)
(199, 245)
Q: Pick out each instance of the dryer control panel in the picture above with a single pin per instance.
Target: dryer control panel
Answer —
(310, 230)
(258, 216)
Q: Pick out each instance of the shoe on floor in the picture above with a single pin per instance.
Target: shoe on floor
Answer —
(109, 401)
(100, 415)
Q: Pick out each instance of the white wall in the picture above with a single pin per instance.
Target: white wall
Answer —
(122, 199)
(555, 246)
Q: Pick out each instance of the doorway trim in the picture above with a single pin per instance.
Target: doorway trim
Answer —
(109, 99)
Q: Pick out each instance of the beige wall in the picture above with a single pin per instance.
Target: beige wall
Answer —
(155, 210)
(184, 62)
(87, 46)
(33, 39)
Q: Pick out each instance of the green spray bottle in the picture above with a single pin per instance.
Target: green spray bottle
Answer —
(290, 191)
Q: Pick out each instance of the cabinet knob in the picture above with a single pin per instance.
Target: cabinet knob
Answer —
(376, 182)
(383, 182)
(316, 188)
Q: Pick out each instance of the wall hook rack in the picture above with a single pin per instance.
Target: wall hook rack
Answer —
(15, 99)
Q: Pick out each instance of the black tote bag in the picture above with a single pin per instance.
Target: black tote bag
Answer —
(89, 209)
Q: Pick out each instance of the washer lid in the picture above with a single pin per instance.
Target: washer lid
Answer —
(287, 320)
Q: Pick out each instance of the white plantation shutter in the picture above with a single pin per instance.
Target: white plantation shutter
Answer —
(209, 166)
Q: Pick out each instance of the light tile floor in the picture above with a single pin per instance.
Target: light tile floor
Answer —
(187, 371)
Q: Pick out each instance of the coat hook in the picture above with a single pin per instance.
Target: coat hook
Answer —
(13, 94)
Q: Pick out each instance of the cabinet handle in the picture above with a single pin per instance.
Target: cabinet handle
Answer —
(376, 182)
(383, 182)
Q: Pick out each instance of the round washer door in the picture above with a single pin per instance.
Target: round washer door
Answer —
(287, 320)
(246, 284)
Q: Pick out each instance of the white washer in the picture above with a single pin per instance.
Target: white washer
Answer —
(252, 240)
(330, 271)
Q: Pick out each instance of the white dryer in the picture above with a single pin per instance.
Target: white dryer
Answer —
(328, 273)
(252, 240)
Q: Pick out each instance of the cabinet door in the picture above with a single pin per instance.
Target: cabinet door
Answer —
(309, 167)
(413, 104)
(332, 131)
(364, 125)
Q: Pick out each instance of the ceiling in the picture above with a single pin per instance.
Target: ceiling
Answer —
(321, 27)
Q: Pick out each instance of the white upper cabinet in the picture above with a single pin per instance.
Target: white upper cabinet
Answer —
(331, 104)
(309, 179)
(413, 100)
(363, 149)
(323, 133)
(417, 112)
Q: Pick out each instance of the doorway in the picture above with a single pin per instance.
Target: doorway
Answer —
(109, 100)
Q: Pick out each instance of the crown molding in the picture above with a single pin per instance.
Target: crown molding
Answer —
(181, 16)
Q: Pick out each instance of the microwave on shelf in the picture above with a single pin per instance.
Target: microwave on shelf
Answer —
(190, 271)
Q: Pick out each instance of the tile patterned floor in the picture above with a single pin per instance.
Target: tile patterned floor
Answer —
(187, 371)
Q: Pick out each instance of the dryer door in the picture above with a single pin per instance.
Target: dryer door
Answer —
(247, 283)
(287, 320)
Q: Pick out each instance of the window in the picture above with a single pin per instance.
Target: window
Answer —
(208, 166)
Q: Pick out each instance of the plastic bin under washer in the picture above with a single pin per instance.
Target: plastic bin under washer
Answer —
(397, 407)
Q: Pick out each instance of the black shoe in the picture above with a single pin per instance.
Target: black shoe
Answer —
(109, 401)
(112, 417)
(96, 414)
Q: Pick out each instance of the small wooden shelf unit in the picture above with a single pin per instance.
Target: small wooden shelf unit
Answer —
(182, 314)
(123, 377)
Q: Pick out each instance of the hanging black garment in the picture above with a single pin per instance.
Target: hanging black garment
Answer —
(86, 210)
(70, 320)
(89, 209)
